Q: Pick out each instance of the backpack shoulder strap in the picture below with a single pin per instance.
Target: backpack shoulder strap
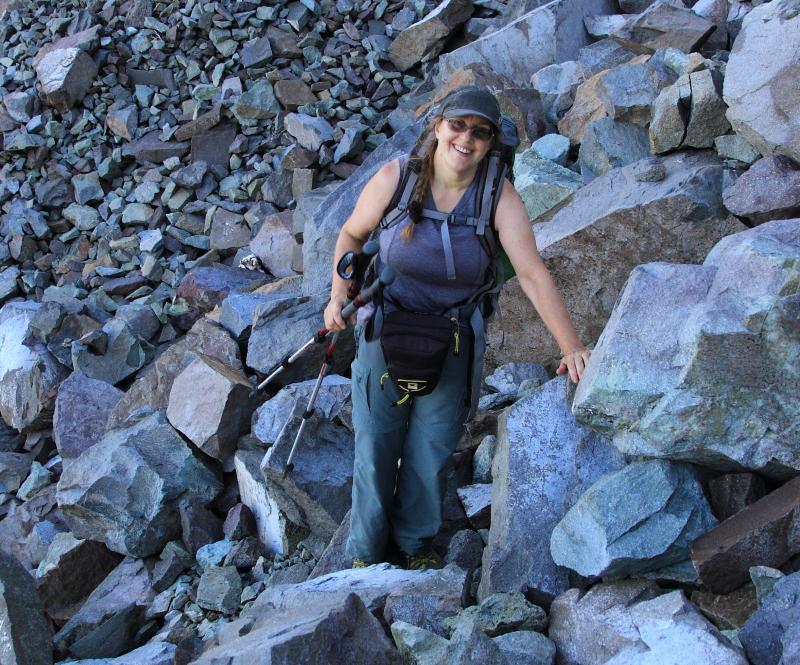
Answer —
(398, 205)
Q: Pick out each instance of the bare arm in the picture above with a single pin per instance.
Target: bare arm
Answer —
(366, 215)
(516, 236)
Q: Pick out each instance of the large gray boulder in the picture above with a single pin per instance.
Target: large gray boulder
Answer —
(106, 625)
(29, 375)
(543, 462)
(664, 25)
(423, 41)
(715, 351)
(768, 190)
(549, 34)
(763, 101)
(641, 518)
(24, 630)
(66, 74)
(670, 625)
(125, 490)
(341, 632)
(543, 185)
(590, 627)
(634, 219)
(322, 229)
(81, 412)
(608, 144)
(771, 636)
(316, 493)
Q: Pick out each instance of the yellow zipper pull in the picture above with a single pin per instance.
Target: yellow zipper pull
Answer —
(456, 336)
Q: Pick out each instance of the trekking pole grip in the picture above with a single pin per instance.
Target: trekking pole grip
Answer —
(367, 294)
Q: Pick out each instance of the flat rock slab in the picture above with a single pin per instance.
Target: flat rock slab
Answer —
(763, 104)
(24, 630)
(768, 190)
(714, 350)
(205, 287)
(124, 491)
(543, 462)
(677, 218)
(766, 533)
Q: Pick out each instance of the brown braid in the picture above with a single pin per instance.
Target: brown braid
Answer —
(422, 163)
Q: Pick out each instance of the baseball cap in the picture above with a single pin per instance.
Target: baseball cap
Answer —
(472, 100)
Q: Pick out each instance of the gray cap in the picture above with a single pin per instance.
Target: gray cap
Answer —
(472, 100)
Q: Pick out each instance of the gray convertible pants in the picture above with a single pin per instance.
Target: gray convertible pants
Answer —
(403, 503)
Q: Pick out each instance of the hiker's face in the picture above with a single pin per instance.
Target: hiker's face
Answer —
(464, 141)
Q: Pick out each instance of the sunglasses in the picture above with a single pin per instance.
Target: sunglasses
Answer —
(479, 132)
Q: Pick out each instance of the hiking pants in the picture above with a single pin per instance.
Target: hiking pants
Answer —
(403, 503)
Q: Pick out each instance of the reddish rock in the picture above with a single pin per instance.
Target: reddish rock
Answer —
(766, 533)
(733, 492)
(239, 523)
(293, 93)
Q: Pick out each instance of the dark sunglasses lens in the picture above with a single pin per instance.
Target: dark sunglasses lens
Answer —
(457, 125)
(482, 133)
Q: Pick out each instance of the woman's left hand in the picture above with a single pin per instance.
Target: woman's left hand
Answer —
(575, 363)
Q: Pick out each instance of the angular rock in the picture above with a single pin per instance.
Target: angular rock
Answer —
(469, 646)
(553, 147)
(70, 571)
(199, 526)
(727, 611)
(274, 244)
(465, 550)
(526, 647)
(424, 40)
(419, 646)
(765, 533)
(310, 132)
(501, 613)
(764, 579)
(240, 310)
(151, 149)
(66, 76)
(482, 461)
(608, 144)
(590, 627)
(734, 147)
(770, 189)
(239, 522)
(665, 25)
(258, 103)
(81, 412)
(205, 287)
(477, 502)
(107, 623)
(641, 518)
(556, 86)
(256, 53)
(317, 493)
(124, 354)
(29, 375)
(220, 589)
(543, 185)
(24, 630)
(549, 34)
(29, 528)
(292, 93)
(14, 468)
(677, 218)
(733, 492)
(723, 329)
(137, 513)
(341, 632)
(172, 561)
(229, 231)
(770, 636)
(535, 482)
(763, 102)
(210, 404)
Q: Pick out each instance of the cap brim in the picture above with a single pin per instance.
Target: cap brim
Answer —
(455, 113)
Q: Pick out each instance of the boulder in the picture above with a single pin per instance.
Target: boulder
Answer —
(153, 653)
(124, 354)
(82, 409)
(543, 185)
(107, 623)
(664, 25)
(228, 231)
(153, 384)
(274, 530)
(29, 528)
(24, 630)
(643, 517)
(670, 624)
(274, 244)
(734, 147)
(205, 287)
(763, 102)
(543, 462)
(319, 634)
(29, 374)
(500, 613)
(556, 85)
(526, 647)
(293, 93)
(199, 526)
(768, 190)
(770, 636)
(239, 523)
(608, 144)
(211, 404)
(124, 491)
(590, 627)
(321, 230)
(549, 34)
(257, 103)
(419, 646)
(765, 534)
(423, 41)
(477, 502)
(240, 310)
(309, 131)
(316, 493)
(220, 589)
(676, 218)
(66, 74)
(714, 357)
(69, 572)
(727, 611)
(150, 149)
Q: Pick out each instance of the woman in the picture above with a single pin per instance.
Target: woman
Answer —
(402, 446)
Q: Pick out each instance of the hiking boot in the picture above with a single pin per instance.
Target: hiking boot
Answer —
(360, 563)
(424, 561)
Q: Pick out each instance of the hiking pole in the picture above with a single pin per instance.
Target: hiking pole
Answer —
(352, 267)
(386, 277)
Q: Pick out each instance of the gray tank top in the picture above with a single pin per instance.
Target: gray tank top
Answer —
(421, 283)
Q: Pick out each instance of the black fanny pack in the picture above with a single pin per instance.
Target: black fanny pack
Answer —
(415, 347)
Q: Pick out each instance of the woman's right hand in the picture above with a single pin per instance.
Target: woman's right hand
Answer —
(333, 314)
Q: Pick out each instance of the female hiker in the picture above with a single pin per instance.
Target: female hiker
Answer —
(420, 350)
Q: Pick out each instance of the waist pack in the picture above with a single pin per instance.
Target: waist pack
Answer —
(415, 347)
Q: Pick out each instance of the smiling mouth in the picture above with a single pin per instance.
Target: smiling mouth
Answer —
(463, 151)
